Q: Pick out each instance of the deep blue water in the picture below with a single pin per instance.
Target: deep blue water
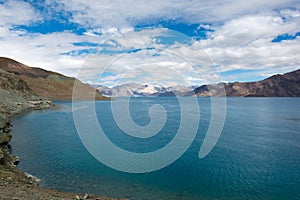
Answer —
(257, 155)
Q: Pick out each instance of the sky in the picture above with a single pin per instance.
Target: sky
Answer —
(164, 42)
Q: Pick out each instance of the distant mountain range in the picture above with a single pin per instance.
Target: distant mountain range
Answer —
(287, 85)
(39, 82)
(30, 81)
(142, 90)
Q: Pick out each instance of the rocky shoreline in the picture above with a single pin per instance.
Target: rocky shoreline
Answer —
(24, 88)
(6, 112)
(14, 183)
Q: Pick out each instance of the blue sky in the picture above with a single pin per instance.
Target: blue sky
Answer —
(165, 42)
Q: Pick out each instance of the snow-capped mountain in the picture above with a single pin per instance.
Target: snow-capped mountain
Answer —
(146, 89)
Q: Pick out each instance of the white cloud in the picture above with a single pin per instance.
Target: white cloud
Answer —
(247, 29)
(46, 50)
(118, 13)
(246, 43)
(17, 12)
(288, 13)
(242, 37)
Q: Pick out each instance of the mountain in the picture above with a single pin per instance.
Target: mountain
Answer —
(286, 85)
(125, 90)
(128, 89)
(178, 90)
(207, 90)
(17, 95)
(46, 84)
(25, 88)
(105, 91)
(146, 89)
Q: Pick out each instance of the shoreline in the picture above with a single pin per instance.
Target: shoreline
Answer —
(16, 184)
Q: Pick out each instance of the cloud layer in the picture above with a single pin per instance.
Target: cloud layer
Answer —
(241, 40)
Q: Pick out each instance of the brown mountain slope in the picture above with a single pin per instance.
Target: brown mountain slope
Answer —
(45, 83)
(14, 96)
(287, 85)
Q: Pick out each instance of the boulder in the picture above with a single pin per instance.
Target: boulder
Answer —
(5, 126)
(15, 160)
(5, 138)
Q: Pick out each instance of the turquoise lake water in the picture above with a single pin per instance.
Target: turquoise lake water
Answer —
(257, 155)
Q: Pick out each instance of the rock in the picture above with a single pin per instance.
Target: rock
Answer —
(41, 104)
(1, 155)
(77, 197)
(15, 160)
(86, 196)
(5, 126)
(7, 158)
(32, 179)
(5, 138)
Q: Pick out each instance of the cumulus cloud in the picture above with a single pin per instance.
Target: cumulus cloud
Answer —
(118, 13)
(15, 12)
(139, 67)
(40, 50)
(246, 42)
(241, 38)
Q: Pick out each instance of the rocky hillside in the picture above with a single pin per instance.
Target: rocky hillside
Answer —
(286, 85)
(22, 88)
(15, 97)
(46, 84)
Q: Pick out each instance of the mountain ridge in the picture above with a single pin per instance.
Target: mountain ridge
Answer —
(17, 96)
(285, 85)
(47, 84)
(142, 90)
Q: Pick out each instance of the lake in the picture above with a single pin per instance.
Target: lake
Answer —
(256, 157)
